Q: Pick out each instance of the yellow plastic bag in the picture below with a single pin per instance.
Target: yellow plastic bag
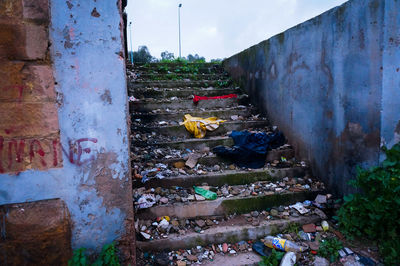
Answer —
(198, 126)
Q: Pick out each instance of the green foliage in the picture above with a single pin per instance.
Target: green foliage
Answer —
(163, 68)
(108, 256)
(329, 249)
(187, 68)
(181, 60)
(223, 83)
(292, 228)
(172, 76)
(273, 259)
(375, 211)
(78, 258)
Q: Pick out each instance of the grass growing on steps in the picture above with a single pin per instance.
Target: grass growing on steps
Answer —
(245, 205)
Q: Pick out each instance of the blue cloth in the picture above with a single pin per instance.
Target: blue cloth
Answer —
(250, 149)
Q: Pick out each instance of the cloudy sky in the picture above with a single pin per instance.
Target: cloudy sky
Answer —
(215, 28)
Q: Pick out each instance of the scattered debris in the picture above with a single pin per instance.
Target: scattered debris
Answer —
(320, 199)
(153, 158)
(145, 201)
(289, 259)
(309, 228)
(282, 244)
(192, 160)
(205, 193)
(197, 98)
(299, 207)
(199, 126)
(179, 194)
(234, 117)
(250, 148)
(133, 99)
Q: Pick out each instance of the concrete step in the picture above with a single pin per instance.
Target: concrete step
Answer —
(232, 231)
(212, 160)
(155, 65)
(180, 93)
(230, 177)
(225, 113)
(179, 76)
(197, 144)
(182, 104)
(164, 69)
(181, 132)
(179, 84)
(225, 206)
(241, 259)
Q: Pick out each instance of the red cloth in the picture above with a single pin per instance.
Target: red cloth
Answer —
(197, 98)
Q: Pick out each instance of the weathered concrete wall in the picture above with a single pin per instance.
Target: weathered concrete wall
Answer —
(65, 134)
(332, 85)
(391, 75)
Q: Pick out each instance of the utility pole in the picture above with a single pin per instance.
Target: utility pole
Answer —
(179, 24)
(130, 33)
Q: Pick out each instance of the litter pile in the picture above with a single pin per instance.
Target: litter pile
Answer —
(310, 244)
(250, 151)
(207, 169)
(145, 198)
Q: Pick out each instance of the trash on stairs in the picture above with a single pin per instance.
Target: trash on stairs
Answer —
(250, 148)
(205, 193)
(282, 244)
(199, 126)
(170, 162)
(197, 98)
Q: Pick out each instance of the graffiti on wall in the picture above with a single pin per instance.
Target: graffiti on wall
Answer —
(17, 155)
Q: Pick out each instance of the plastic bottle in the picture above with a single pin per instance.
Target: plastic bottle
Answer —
(325, 225)
(282, 244)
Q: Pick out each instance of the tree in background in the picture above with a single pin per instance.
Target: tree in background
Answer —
(142, 55)
(167, 56)
(195, 58)
(217, 60)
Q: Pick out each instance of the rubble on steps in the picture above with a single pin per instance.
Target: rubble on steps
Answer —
(165, 196)
(232, 253)
(167, 162)
(159, 229)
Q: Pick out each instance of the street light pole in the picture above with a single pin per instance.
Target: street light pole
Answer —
(130, 33)
(179, 23)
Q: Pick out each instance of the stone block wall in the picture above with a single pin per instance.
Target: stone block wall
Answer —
(29, 131)
(35, 233)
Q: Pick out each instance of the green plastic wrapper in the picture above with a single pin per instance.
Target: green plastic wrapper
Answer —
(205, 193)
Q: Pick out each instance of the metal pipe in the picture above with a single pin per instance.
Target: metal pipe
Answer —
(179, 23)
(130, 33)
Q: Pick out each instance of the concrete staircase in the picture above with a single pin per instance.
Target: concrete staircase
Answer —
(160, 146)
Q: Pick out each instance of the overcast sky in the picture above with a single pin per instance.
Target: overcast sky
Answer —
(215, 28)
